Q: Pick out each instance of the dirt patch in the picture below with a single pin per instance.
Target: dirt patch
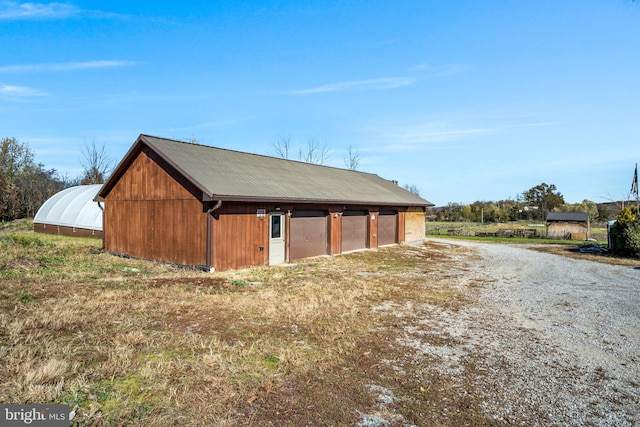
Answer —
(22, 263)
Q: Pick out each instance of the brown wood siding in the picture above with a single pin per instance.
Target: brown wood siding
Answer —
(146, 180)
(387, 228)
(163, 230)
(401, 227)
(287, 238)
(354, 230)
(238, 236)
(372, 219)
(149, 215)
(414, 225)
(335, 232)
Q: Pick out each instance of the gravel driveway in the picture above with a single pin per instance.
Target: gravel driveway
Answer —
(548, 340)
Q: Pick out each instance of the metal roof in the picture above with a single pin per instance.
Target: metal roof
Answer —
(568, 216)
(224, 174)
(72, 207)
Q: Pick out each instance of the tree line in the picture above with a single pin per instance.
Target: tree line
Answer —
(532, 205)
(25, 185)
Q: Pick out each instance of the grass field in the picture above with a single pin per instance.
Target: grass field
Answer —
(137, 343)
(567, 248)
(512, 232)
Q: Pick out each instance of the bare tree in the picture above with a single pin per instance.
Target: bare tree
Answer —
(314, 152)
(352, 159)
(282, 147)
(97, 164)
(412, 188)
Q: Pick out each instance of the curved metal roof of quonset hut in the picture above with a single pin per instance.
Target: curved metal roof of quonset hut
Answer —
(72, 207)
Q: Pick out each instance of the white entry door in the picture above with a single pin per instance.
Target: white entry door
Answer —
(276, 238)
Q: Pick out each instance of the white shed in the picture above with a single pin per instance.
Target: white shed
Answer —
(71, 212)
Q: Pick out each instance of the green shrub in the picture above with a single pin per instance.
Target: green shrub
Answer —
(631, 237)
(625, 233)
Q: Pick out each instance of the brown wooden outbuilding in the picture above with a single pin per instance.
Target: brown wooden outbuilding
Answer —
(194, 205)
(568, 225)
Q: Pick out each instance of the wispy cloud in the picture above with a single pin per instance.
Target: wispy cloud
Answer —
(11, 91)
(437, 70)
(448, 134)
(533, 125)
(13, 10)
(16, 10)
(213, 125)
(64, 66)
(422, 137)
(424, 70)
(372, 84)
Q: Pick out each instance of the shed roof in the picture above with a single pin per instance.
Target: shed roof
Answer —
(223, 174)
(568, 216)
(72, 207)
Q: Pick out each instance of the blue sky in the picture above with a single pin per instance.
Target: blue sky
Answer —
(467, 100)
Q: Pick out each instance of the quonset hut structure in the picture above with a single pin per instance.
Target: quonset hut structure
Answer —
(71, 212)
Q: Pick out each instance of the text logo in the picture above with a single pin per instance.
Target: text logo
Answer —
(34, 415)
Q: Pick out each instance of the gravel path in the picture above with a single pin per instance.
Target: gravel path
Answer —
(549, 340)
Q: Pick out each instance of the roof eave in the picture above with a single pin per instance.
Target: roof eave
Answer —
(261, 199)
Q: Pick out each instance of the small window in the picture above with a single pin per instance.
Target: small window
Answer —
(276, 228)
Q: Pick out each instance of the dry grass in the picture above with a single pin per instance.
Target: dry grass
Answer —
(138, 343)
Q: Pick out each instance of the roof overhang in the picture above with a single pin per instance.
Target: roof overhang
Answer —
(261, 199)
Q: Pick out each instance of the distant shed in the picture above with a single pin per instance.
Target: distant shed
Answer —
(568, 225)
(71, 212)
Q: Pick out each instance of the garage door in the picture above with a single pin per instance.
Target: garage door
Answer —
(387, 228)
(354, 230)
(308, 234)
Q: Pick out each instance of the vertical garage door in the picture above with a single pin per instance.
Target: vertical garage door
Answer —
(354, 230)
(387, 228)
(307, 234)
